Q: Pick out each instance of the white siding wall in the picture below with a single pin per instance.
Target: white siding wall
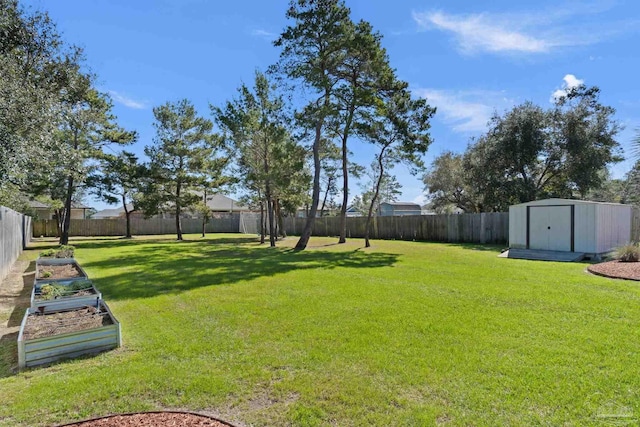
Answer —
(613, 227)
(517, 226)
(584, 231)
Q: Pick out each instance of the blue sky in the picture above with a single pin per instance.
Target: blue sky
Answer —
(468, 58)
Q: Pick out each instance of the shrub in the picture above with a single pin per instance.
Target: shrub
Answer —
(628, 253)
(65, 251)
(49, 253)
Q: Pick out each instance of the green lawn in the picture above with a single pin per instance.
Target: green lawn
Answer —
(402, 333)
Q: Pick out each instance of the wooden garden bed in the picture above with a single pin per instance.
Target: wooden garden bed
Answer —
(46, 338)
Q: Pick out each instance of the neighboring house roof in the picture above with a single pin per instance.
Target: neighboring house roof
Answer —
(220, 202)
(402, 205)
(112, 213)
(39, 205)
(215, 202)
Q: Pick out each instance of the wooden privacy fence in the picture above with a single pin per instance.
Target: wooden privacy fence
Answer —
(15, 233)
(635, 225)
(225, 223)
(471, 228)
(463, 228)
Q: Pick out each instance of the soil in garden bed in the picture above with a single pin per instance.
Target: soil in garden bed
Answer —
(45, 325)
(59, 272)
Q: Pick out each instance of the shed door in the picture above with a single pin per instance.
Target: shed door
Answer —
(550, 228)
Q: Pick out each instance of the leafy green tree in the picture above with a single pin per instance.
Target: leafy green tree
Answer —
(35, 69)
(446, 185)
(117, 180)
(179, 159)
(363, 74)
(586, 131)
(269, 160)
(313, 49)
(86, 128)
(530, 153)
(399, 128)
(330, 160)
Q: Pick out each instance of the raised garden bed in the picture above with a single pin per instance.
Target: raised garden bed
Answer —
(54, 296)
(65, 334)
(60, 270)
(64, 251)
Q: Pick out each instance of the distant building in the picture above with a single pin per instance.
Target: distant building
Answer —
(353, 212)
(215, 202)
(399, 209)
(112, 213)
(222, 203)
(45, 211)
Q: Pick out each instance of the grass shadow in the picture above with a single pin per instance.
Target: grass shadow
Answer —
(8, 354)
(160, 267)
(23, 298)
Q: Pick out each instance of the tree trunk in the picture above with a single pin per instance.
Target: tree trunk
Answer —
(204, 215)
(373, 200)
(262, 228)
(59, 220)
(345, 175)
(64, 236)
(127, 215)
(283, 231)
(315, 197)
(272, 231)
(326, 195)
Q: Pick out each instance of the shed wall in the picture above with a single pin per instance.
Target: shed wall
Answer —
(584, 228)
(613, 227)
(518, 227)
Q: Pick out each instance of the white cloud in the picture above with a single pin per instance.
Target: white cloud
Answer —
(570, 81)
(466, 111)
(258, 32)
(420, 199)
(482, 33)
(126, 101)
(530, 32)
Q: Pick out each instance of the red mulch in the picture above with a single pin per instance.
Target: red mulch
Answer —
(617, 270)
(153, 419)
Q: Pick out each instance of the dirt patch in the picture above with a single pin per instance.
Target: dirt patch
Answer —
(152, 419)
(617, 270)
(59, 272)
(44, 325)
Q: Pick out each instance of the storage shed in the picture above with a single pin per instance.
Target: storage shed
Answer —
(592, 228)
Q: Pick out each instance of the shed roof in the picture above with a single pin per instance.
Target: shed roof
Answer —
(557, 201)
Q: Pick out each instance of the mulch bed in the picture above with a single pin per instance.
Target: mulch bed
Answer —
(60, 272)
(153, 419)
(44, 325)
(617, 270)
